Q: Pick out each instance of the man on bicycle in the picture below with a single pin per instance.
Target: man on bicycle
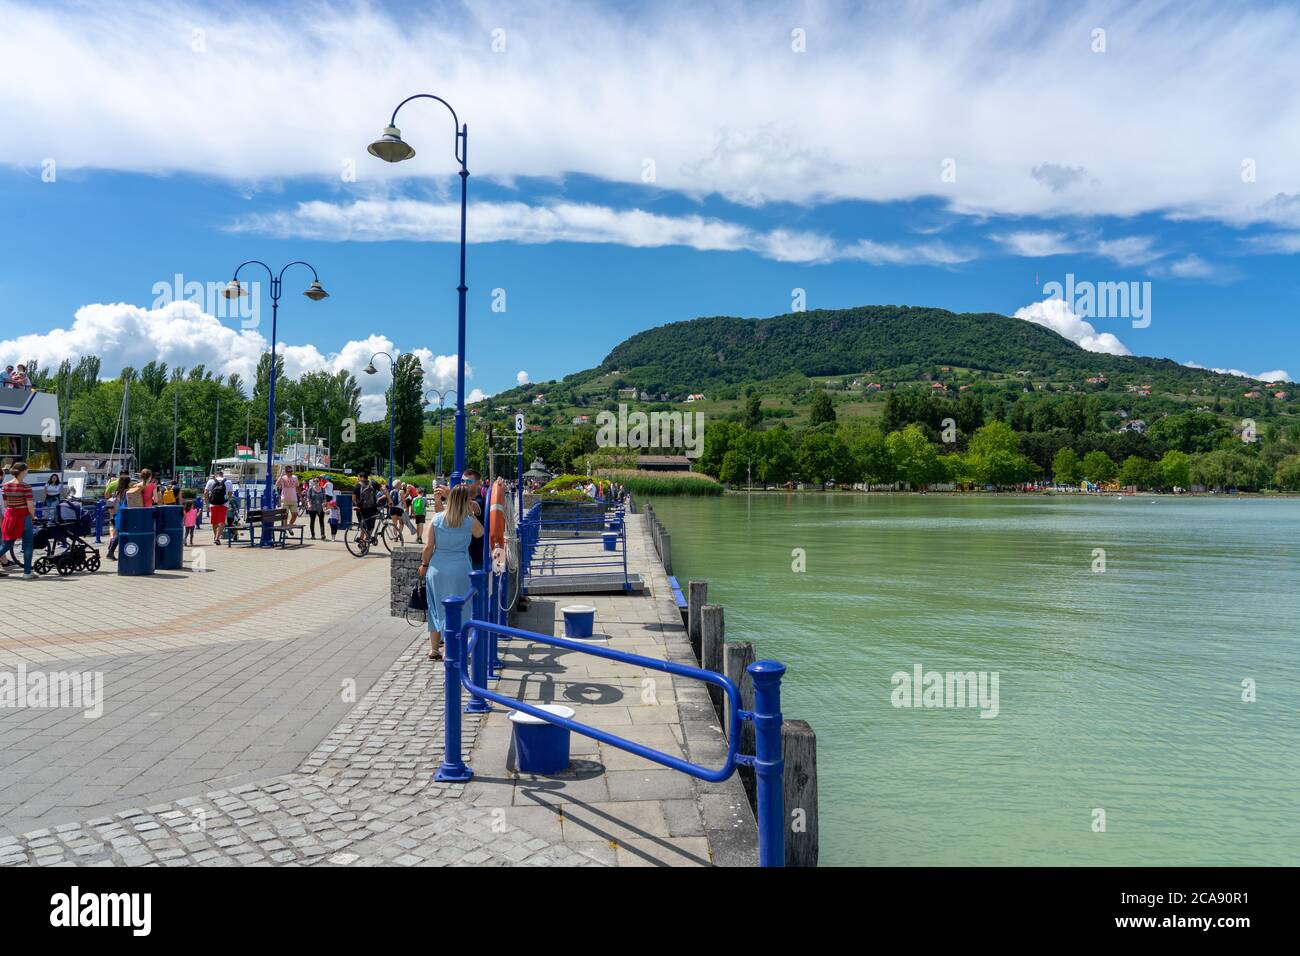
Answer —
(366, 503)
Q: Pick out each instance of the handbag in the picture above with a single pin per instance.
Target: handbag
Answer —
(418, 601)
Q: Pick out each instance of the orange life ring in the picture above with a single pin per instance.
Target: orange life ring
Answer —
(497, 516)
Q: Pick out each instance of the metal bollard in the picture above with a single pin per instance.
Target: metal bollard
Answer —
(769, 766)
(478, 661)
(453, 768)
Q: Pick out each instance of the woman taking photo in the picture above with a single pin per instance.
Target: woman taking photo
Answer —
(20, 509)
(445, 561)
(116, 495)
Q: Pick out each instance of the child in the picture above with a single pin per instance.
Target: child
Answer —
(332, 510)
(191, 519)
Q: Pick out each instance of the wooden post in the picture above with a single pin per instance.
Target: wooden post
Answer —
(697, 594)
(666, 552)
(711, 639)
(736, 657)
(799, 751)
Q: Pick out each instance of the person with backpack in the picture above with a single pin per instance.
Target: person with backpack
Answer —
(417, 512)
(217, 493)
(366, 503)
(316, 507)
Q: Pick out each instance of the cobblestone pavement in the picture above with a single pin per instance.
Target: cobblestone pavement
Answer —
(222, 596)
(365, 796)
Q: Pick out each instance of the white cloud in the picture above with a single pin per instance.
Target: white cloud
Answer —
(181, 333)
(1276, 375)
(1056, 315)
(522, 378)
(298, 89)
(376, 220)
(1034, 244)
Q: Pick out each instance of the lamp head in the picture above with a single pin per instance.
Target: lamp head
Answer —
(390, 147)
(234, 290)
(315, 292)
(370, 369)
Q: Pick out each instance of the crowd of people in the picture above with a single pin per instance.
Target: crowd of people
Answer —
(15, 377)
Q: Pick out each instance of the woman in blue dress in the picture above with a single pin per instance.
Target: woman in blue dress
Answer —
(446, 563)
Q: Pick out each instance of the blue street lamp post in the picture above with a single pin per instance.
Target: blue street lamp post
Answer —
(392, 408)
(392, 149)
(236, 290)
(442, 397)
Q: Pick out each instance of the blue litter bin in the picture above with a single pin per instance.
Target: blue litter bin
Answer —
(541, 747)
(344, 500)
(169, 537)
(579, 620)
(135, 550)
(611, 540)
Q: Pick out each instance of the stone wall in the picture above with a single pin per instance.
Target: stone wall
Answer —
(405, 572)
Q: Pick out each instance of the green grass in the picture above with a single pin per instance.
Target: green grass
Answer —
(663, 483)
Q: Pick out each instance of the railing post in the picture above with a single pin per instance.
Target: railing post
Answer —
(498, 616)
(712, 637)
(479, 657)
(697, 595)
(769, 766)
(453, 769)
(99, 520)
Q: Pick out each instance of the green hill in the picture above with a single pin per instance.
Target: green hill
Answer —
(896, 343)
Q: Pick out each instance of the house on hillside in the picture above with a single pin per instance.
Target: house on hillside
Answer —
(938, 387)
(627, 393)
(539, 400)
(581, 419)
(695, 397)
(873, 386)
(1137, 425)
(1282, 395)
(1097, 380)
(1252, 394)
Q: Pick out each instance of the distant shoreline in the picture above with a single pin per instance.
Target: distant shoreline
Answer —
(1289, 495)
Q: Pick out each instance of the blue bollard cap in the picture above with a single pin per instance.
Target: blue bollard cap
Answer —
(766, 668)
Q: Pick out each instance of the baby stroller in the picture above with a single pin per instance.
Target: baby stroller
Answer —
(61, 535)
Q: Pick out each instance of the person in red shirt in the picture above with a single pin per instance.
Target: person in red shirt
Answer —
(20, 509)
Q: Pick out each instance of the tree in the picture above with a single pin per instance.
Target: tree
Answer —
(1286, 474)
(1175, 470)
(823, 409)
(915, 460)
(776, 457)
(406, 395)
(753, 410)
(823, 457)
(1139, 472)
(1066, 467)
(1098, 466)
(1189, 432)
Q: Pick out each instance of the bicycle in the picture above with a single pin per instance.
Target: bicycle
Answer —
(358, 540)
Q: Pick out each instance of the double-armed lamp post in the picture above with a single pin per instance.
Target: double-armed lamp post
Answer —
(236, 290)
(392, 407)
(391, 148)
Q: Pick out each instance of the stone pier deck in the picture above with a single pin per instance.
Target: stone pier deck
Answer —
(613, 806)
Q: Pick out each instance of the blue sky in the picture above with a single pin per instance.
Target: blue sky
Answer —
(634, 167)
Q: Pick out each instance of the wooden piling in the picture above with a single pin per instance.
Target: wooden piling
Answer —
(697, 594)
(736, 658)
(799, 751)
(666, 551)
(712, 632)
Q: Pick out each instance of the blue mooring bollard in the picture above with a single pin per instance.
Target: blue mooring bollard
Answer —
(769, 765)
(453, 768)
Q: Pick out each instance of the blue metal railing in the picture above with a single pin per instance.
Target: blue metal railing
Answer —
(567, 526)
(466, 664)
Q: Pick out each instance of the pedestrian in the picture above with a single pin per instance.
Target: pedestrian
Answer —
(190, 518)
(7, 377)
(116, 494)
(332, 508)
(445, 562)
(417, 513)
(217, 493)
(20, 377)
(146, 487)
(316, 507)
(397, 506)
(288, 487)
(478, 508)
(20, 510)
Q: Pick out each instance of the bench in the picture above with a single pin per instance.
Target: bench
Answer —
(277, 518)
(678, 598)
